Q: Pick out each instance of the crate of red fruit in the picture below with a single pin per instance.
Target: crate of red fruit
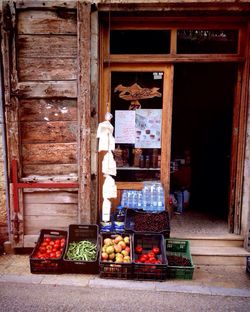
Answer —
(180, 263)
(81, 255)
(149, 257)
(47, 256)
(116, 256)
(147, 222)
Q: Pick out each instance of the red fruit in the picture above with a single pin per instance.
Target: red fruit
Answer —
(156, 250)
(138, 249)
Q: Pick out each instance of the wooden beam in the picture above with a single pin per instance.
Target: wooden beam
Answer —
(83, 103)
(26, 4)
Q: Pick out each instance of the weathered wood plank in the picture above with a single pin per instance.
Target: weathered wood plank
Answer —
(32, 69)
(47, 169)
(23, 4)
(47, 89)
(51, 198)
(33, 224)
(83, 103)
(51, 131)
(60, 210)
(47, 22)
(59, 153)
(47, 46)
(47, 109)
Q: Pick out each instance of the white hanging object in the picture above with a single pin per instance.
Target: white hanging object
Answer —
(109, 164)
(106, 208)
(109, 188)
(105, 135)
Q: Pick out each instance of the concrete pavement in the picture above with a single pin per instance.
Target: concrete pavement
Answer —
(207, 280)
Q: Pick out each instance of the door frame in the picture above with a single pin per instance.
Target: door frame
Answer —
(241, 58)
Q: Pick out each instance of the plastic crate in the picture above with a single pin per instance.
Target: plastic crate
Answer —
(147, 271)
(116, 270)
(133, 222)
(179, 248)
(48, 265)
(77, 233)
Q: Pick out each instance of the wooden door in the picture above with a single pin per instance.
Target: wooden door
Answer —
(48, 114)
(143, 77)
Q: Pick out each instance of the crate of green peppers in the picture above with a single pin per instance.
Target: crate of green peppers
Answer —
(82, 250)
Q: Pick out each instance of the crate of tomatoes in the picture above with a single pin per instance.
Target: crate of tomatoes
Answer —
(149, 257)
(47, 256)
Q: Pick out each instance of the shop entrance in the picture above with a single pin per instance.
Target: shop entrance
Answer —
(203, 102)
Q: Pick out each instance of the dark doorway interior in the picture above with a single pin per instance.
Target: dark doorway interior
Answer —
(202, 127)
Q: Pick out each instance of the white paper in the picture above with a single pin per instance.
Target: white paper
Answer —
(148, 128)
(125, 126)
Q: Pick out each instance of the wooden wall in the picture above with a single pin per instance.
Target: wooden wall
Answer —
(46, 76)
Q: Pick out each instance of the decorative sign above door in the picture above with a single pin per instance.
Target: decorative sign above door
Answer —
(134, 93)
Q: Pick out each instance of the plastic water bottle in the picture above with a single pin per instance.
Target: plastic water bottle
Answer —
(154, 198)
(160, 198)
(139, 202)
(135, 199)
(124, 200)
(146, 197)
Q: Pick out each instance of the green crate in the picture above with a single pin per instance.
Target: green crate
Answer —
(179, 248)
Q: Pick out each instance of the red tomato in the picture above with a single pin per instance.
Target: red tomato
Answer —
(57, 246)
(151, 255)
(142, 258)
(52, 255)
(42, 249)
(138, 249)
(152, 260)
(62, 240)
(58, 241)
(49, 248)
(156, 250)
(47, 240)
(44, 244)
(51, 243)
(158, 262)
(58, 254)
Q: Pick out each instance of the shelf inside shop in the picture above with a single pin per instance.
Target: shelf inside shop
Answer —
(136, 168)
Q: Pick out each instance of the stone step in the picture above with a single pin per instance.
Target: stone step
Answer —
(216, 255)
(229, 240)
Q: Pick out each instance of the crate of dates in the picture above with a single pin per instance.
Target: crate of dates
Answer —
(149, 258)
(82, 249)
(147, 222)
(116, 256)
(180, 263)
(47, 256)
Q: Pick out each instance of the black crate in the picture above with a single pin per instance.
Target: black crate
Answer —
(115, 270)
(147, 271)
(77, 233)
(49, 265)
(133, 222)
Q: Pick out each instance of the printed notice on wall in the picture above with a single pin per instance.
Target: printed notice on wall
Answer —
(125, 126)
(148, 128)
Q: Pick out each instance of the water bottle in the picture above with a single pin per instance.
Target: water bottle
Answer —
(154, 197)
(130, 199)
(160, 198)
(124, 200)
(139, 202)
(146, 197)
(135, 199)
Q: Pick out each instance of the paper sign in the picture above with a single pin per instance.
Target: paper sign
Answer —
(148, 128)
(125, 126)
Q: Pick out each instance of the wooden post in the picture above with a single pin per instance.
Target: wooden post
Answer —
(83, 103)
